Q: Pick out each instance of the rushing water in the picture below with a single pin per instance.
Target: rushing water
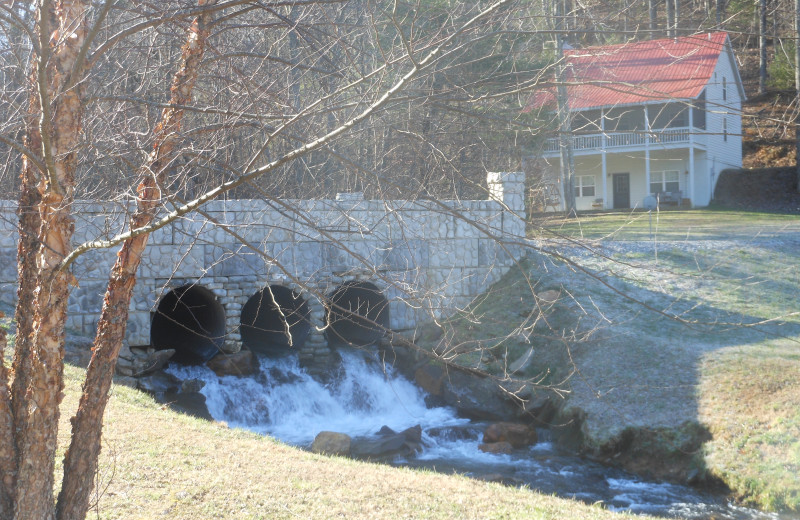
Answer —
(285, 402)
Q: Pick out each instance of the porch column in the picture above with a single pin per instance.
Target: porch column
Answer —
(646, 152)
(691, 158)
(691, 174)
(605, 174)
(603, 157)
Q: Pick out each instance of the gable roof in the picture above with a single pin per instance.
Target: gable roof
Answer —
(639, 72)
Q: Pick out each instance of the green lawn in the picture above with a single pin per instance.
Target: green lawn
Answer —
(701, 224)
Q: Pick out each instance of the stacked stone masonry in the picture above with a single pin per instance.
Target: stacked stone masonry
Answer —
(428, 258)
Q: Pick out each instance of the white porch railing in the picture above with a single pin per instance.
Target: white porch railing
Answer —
(624, 139)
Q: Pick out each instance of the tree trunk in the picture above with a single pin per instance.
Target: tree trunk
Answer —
(27, 248)
(797, 86)
(565, 138)
(670, 19)
(8, 453)
(652, 14)
(60, 128)
(80, 461)
(762, 46)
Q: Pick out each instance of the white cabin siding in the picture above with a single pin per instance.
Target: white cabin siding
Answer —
(721, 152)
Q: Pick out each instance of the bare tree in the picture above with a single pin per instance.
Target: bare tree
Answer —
(256, 94)
(762, 46)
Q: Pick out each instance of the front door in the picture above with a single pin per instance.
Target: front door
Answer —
(622, 190)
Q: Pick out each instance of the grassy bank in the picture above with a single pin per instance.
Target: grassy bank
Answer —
(159, 464)
(679, 354)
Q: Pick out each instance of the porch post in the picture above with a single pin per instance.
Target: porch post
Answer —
(605, 174)
(691, 158)
(646, 152)
(691, 173)
(603, 156)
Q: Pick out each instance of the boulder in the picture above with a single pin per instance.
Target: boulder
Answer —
(516, 435)
(158, 383)
(142, 361)
(431, 379)
(193, 403)
(242, 363)
(331, 443)
(543, 407)
(387, 444)
(496, 447)
(413, 434)
(191, 385)
(454, 433)
(470, 393)
(477, 397)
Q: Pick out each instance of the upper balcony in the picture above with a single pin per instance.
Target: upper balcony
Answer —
(636, 140)
(661, 125)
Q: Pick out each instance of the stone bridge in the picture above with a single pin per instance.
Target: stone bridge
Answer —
(327, 271)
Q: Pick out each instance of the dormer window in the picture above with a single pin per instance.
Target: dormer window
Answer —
(724, 88)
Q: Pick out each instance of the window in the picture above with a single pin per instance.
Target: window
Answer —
(699, 111)
(584, 186)
(725, 129)
(668, 180)
(724, 88)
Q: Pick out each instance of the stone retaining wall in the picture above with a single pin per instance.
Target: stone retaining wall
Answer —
(427, 257)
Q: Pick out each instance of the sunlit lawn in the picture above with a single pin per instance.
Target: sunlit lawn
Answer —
(700, 224)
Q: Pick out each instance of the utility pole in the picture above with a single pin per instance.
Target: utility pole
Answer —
(565, 135)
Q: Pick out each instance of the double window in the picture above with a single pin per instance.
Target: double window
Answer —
(668, 180)
(584, 186)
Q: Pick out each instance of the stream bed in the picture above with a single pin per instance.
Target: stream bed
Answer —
(363, 396)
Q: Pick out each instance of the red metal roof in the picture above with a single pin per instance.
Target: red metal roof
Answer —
(638, 72)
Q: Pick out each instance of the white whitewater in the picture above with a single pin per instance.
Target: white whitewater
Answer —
(285, 402)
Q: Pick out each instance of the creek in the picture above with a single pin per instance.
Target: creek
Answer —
(363, 395)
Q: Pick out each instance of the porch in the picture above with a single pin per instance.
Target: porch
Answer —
(623, 180)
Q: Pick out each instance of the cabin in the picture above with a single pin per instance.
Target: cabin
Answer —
(659, 117)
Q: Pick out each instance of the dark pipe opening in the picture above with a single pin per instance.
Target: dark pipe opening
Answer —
(190, 320)
(266, 315)
(358, 314)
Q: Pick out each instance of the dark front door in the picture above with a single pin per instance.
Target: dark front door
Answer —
(622, 190)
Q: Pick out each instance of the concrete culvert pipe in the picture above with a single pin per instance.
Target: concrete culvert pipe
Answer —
(190, 320)
(265, 318)
(358, 314)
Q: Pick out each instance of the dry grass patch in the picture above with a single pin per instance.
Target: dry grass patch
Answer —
(750, 399)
